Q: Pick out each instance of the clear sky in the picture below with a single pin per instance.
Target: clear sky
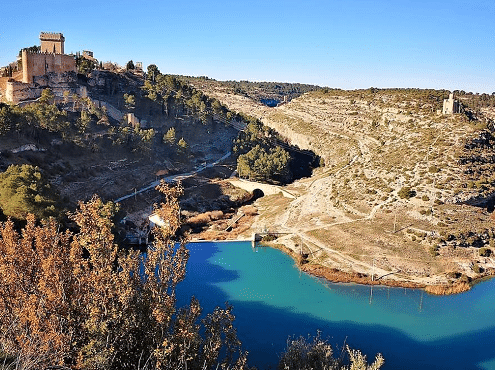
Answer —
(348, 44)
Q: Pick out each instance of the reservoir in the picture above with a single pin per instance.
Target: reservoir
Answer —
(272, 300)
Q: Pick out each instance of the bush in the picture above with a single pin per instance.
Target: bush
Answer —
(434, 250)
(317, 354)
(406, 193)
(484, 252)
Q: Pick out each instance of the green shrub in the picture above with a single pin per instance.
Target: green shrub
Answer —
(406, 192)
(485, 252)
(434, 250)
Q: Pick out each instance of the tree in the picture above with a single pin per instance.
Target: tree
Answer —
(7, 119)
(147, 137)
(45, 114)
(259, 164)
(23, 190)
(406, 192)
(46, 96)
(130, 65)
(84, 66)
(169, 136)
(83, 121)
(130, 101)
(77, 300)
(32, 49)
(153, 72)
(182, 146)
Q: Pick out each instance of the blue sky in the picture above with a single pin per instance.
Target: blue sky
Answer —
(348, 44)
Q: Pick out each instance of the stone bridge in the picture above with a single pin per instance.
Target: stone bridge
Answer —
(267, 189)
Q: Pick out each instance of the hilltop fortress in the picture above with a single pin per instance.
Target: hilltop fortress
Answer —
(48, 68)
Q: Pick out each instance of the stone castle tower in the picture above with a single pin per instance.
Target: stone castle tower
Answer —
(450, 105)
(52, 42)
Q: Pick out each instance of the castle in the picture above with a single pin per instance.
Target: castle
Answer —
(450, 106)
(48, 68)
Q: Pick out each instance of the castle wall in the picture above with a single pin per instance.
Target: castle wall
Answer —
(17, 92)
(39, 64)
(450, 105)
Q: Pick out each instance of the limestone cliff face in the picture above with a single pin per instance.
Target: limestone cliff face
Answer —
(17, 92)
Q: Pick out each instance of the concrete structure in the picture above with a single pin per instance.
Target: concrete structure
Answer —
(52, 43)
(450, 105)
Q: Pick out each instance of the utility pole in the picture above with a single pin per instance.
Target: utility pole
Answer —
(372, 279)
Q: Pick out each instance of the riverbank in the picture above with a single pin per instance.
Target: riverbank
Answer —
(356, 271)
(334, 275)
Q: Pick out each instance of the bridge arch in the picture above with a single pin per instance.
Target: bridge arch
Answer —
(258, 193)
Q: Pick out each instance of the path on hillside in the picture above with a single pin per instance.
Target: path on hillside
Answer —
(173, 178)
(320, 184)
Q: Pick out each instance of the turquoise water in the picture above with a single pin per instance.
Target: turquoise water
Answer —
(272, 300)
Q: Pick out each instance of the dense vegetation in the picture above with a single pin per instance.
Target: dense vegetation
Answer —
(258, 157)
(261, 153)
(269, 93)
(179, 98)
(76, 300)
(46, 115)
(24, 190)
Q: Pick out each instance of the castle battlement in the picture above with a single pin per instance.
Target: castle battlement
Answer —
(52, 36)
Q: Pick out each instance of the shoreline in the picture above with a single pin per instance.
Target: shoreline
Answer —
(334, 275)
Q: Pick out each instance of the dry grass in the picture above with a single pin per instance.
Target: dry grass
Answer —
(448, 289)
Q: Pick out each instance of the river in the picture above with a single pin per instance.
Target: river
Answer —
(272, 300)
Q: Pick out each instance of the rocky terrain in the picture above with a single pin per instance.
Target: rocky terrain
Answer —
(405, 194)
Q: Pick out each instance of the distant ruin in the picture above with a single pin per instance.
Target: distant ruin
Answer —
(49, 68)
(450, 105)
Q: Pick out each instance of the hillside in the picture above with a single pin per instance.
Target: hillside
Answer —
(127, 134)
(405, 194)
